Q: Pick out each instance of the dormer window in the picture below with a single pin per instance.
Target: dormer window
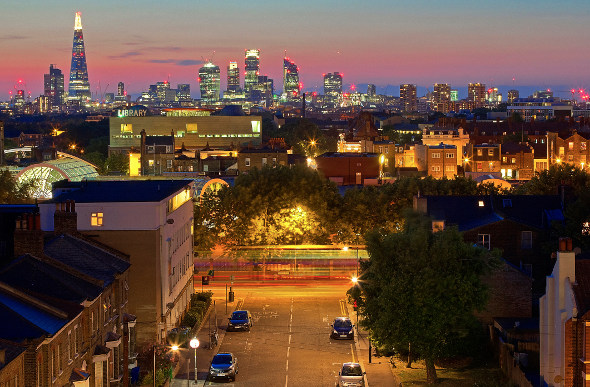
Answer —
(96, 219)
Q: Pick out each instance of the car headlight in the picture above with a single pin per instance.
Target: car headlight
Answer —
(350, 331)
(335, 332)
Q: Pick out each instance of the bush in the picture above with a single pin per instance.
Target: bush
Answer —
(204, 296)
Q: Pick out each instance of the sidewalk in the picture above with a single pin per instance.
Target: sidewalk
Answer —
(379, 371)
(204, 354)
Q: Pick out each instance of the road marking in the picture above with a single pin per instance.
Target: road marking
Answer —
(288, 350)
(287, 366)
(289, 340)
(352, 352)
(286, 380)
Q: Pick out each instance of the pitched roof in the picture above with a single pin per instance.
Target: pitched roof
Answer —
(86, 258)
(11, 351)
(32, 274)
(97, 191)
(469, 212)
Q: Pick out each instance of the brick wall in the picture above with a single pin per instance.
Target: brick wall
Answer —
(13, 373)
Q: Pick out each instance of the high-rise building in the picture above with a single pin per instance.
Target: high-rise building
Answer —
(183, 93)
(512, 95)
(441, 97)
(476, 95)
(266, 87)
(79, 87)
(371, 90)
(233, 77)
(291, 85)
(408, 99)
(54, 86)
(121, 89)
(162, 89)
(332, 86)
(252, 61)
(209, 82)
(121, 96)
(493, 96)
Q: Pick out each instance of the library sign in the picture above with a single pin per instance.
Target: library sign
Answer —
(133, 111)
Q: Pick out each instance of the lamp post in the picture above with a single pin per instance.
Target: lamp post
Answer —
(355, 281)
(194, 343)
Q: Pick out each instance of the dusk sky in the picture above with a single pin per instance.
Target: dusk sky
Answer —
(540, 43)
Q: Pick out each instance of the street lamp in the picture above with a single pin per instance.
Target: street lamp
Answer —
(194, 343)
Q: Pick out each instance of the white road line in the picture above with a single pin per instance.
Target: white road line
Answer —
(289, 339)
(352, 353)
(287, 366)
(286, 380)
(288, 350)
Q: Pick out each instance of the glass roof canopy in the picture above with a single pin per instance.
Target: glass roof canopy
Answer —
(45, 174)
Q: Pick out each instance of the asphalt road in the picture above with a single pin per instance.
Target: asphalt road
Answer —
(290, 343)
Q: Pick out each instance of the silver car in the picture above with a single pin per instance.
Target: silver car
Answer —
(224, 365)
(351, 374)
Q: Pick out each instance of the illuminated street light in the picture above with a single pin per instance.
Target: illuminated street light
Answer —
(194, 343)
(354, 280)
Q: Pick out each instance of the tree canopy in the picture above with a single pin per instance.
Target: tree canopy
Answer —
(11, 192)
(422, 288)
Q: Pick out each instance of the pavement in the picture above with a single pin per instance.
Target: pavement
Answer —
(378, 372)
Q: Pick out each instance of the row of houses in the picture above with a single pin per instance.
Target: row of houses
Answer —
(90, 278)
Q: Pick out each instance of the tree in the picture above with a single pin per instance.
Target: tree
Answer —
(422, 288)
(13, 192)
(117, 163)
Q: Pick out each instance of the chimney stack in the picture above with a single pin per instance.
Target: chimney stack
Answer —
(28, 237)
(65, 219)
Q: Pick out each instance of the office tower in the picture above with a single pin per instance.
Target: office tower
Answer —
(543, 94)
(476, 95)
(233, 77)
(54, 86)
(183, 92)
(79, 87)
(252, 61)
(408, 99)
(512, 95)
(332, 86)
(120, 89)
(454, 95)
(493, 96)
(291, 86)
(162, 90)
(210, 82)
(266, 87)
(441, 97)
(371, 90)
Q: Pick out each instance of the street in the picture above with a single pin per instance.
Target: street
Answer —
(289, 343)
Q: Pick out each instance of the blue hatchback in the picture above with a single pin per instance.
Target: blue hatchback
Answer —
(240, 320)
(342, 328)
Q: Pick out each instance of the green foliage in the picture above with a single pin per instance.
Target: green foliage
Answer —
(548, 181)
(305, 137)
(201, 296)
(422, 288)
(117, 163)
(11, 192)
(164, 364)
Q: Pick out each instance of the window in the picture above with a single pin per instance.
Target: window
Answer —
(180, 133)
(483, 240)
(438, 225)
(255, 126)
(583, 146)
(436, 155)
(264, 161)
(480, 203)
(126, 128)
(96, 219)
(191, 128)
(480, 152)
(436, 168)
(526, 241)
(247, 161)
(490, 152)
(504, 159)
(274, 160)
(570, 145)
(168, 164)
(514, 160)
(561, 151)
(450, 155)
(69, 344)
(449, 168)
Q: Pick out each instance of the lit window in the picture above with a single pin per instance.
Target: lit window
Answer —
(264, 161)
(255, 126)
(583, 146)
(479, 152)
(247, 161)
(191, 128)
(480, 203)
(483, 240)
(450, 155)
(571, 145)
(490, 152)
(436, 155)
(126, 128)
(96, 219)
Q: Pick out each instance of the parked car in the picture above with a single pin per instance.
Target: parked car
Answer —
(351, 374)
(224, 365)
(342, 328)
(179, 336)
(240, 320)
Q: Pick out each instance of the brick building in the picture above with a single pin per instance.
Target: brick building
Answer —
(517, 161)
(564, 328)
(12, 364)
(349, 168)
(65, 298)
(571, 147)
(439, 160)
(258, 158)
(483, 158)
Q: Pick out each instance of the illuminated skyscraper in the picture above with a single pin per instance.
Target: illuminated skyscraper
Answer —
(183, 93)
(79, 87)
(252, 61)
(407, 95)
(54, 86)
(291, 85)
(209, 82)
(441, 97)
(233, 78)
(476, 95)
(371, 90)
(121, 89)
(332, 87)
(512, 95)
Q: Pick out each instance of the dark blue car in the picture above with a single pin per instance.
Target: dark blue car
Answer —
(240, 320)
(224, 365)
(342, 328)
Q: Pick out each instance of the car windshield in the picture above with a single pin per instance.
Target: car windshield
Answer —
(222, 359)
(239, 316)
(352, 370)
(342, 324)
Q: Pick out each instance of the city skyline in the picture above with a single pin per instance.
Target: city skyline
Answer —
(386, 45)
